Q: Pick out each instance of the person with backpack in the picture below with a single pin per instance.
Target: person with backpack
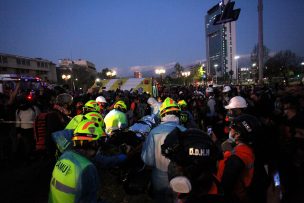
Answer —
(151, 151)
(192, 170)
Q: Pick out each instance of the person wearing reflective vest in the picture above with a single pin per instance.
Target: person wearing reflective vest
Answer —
(75, 177)
(116, 119)
(236, 170)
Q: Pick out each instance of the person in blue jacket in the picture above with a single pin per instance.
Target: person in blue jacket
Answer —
(151, 151)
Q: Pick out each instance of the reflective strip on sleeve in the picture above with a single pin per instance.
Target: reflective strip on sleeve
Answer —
(62, 187)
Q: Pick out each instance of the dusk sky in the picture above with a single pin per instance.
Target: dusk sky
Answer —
(138, 34)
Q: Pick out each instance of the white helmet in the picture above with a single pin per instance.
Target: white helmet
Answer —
(101, 99)
(209, 89)
(236, 102)
(226, 89)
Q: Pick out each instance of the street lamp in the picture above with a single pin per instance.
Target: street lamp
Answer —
(111, 73)
(302, 63)
(66, 78)
(215, 67)
(160, 71)
(186, 74)
(237, 68)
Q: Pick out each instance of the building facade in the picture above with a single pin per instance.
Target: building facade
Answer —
(25, 66)
(69, 64)
(220, 46)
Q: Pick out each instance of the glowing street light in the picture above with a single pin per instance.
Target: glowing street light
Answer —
(302, 63)
(97, 80)
(111, 73)
(186, 73)
(160, 71)
(237, 68)
(65, 77)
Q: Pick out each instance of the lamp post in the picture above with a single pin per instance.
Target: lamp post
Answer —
(111, 73)
(186, 74)
(215, 67)
(160, 72)
(66, 78)
(237, 68)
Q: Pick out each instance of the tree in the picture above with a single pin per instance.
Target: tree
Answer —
(85, 78)
(178, 70)
(283, 64)
(255, 58)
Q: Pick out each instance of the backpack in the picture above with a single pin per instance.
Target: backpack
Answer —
(40, 131)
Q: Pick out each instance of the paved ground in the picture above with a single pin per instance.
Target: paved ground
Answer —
(30, 183)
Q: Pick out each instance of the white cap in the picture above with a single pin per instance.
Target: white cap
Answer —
(101, 99)
(236, 102)
(226, 89)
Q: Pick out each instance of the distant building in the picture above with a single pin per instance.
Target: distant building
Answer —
(137, 74)
(26, 66)
(220, 45)
(69, 64)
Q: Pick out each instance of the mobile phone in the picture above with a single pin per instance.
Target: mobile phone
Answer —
(209, 130)
(276, 179)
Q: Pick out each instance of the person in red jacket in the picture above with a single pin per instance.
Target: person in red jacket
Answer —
(236, 170)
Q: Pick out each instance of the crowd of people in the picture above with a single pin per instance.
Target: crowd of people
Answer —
(232, 144)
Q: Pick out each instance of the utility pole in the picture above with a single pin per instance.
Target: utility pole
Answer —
(260, 43)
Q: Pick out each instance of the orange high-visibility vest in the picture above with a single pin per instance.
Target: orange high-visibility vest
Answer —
(245, 153)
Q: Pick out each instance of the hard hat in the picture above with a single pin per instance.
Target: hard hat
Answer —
(120, 105)
(226, 89)
(248, 126)
(96, 117)
(190, 147)
(87, 131)
(182, 103)
(236, 102)
(101, 99)
(91, 105)
(64, 99)
(209, 89)
(169, 105)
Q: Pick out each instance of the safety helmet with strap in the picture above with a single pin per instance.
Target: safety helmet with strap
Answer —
(236, 102)
(182, 104)
(169, 106)
(91, 105)
(101, 99)
(96, 117)
(87, 131)
(120, 105)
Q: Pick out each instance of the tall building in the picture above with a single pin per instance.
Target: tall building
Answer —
(26, 66)
(220, 46)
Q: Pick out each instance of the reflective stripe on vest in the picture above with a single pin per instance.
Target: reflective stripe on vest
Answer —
(62, 187)
(66, 175)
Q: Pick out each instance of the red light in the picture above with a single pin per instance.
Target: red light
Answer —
(29, 97)
(226, 130)
(227, 119)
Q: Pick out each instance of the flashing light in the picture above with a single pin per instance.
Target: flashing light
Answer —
(29, 97)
